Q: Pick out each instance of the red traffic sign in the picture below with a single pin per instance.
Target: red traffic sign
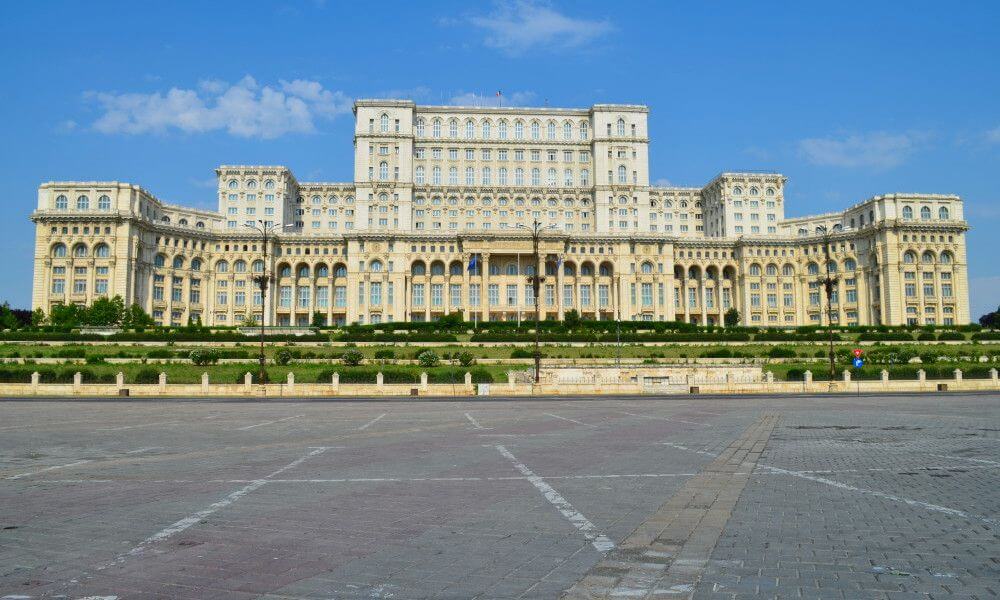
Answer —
(857, 352)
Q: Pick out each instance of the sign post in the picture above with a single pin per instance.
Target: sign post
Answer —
(858, 363)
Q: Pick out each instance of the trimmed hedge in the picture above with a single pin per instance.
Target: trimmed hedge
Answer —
(392, 374)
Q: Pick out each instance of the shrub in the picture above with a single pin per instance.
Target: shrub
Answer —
(160, 353)
(466, 359)
(385, 354)
(203, 356)
(95, 359)
(522, 353)
(147, 376)
(781, 352)
(352, 358)
(282, 357)
(926, 337)
(428, 358)
(952, 336)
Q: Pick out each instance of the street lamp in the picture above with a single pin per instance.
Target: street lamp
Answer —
(265, 229)
(828, 281)
(536, 283)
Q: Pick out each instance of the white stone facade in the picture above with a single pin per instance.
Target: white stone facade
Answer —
(435, 186)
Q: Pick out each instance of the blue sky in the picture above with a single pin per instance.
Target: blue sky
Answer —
(848, 100)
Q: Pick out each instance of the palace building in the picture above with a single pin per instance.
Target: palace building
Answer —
(438, 220)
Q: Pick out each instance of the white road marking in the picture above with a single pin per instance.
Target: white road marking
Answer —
(570, 420)
(908, 501)
(72, 464)
(136, 426)
(934, 507)
(372, 422)
(379, 479)
(978, 460)
(141, 450)
(190, 520)
(663, 418)
(598, 540)
(474, 422)
(267, 423)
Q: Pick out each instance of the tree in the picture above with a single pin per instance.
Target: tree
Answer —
(991, 319)
(136, 318)
(319, 319)
(571, 319)
(249, 320)
(66, 315)
(105, 312)
(7, 318)
(282, 357)
(452, 320)
(731, 318)
(466, 359)
(37, 317)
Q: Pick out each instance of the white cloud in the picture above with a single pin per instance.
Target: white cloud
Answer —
(993, 136)
(515, 27)
(474, 99)
(663, 182)
(243, 109)
(879, 149)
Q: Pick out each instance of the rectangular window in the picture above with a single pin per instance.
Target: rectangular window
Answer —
(59, 287)
(789, 301)
(567, 295)
(375, 293)
(647, 295)
(585, 296)
(511, 294)
(852, 296)
(602, 295)
(475, 294)
(437, 294)
(692, 297)
(222, 298)
(361, 293)
(772, 301)
(322, 297)
(550, 295)
(340, 296)
(418, 294)
(240, 299)
(529, 296)
(285, 296)
(709, 298)
(455, 295)
(101, 286)
(493, 292)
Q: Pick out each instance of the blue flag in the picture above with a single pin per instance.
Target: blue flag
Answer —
(473, 263)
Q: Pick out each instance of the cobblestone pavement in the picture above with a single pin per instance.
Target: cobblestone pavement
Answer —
(795, 497)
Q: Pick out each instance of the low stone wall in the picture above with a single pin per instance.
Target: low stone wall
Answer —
(642, 386)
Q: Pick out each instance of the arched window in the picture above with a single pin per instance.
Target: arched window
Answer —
(233, 184)
(285, 271)
(470, 129)
(925, 213)
(487, 130)
(812, 269)
(907, 212)
(755, 270)
(737, 191)
(927, 257)
(584, 130)
(383, 123)
(567, 130)
(622, 174)
(257, 266)
(455, 268)
(420, 128)
(647, 268)
(159, 260)
(512, 268)
(340, 271)
(199, 225)
(604, 270)
(375, 266)
(195, 264)
(59, 250)
(788, 270)
(584, 176)
(771, 270)
(850, 264)
(61, 202)
(252, 184)
(418, 269)
(535, 130)
(518, 130)
(453, 128)
(222, 267)
(104, 203)
(946, 258)
(943, 213)
(178, 262)
(322, 270)
(909, 257)
(437, 268)
(183, 222)
(550, 130)
(240, 266)
(436, 128)
(621, 127)
(486, 176)
(303, 271)
(419, 175)
(502, 130)
(831, 267)
(269, 185)
(754, 191)
(436, 175)
(383, 171)
(80, 250)
(82, 203)
(102, 251)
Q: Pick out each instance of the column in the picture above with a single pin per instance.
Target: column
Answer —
(484, 297)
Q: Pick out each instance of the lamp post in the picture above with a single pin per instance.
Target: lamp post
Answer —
(265, 230)
(536, 280)
(828, 281)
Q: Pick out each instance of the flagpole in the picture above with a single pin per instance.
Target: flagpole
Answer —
(517, 294)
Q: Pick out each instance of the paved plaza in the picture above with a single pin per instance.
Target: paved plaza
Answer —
(893, 497)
